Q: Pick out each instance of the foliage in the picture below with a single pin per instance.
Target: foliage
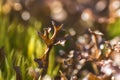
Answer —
(20, 44)
(114, 28)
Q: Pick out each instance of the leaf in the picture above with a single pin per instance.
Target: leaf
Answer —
(51, 62)
(56, 69)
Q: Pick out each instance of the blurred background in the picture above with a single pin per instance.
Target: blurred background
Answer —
(21, 19)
